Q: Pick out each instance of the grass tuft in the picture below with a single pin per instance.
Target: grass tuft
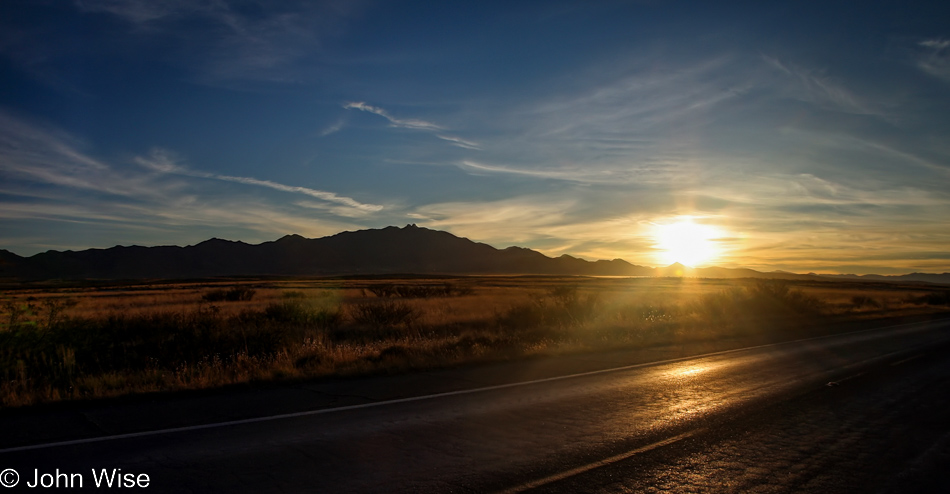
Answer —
(234, 294)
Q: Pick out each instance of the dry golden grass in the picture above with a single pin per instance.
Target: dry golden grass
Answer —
(77, 343)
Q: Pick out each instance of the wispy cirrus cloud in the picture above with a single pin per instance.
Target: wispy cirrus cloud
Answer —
(140, 12)
(184, 219)
(163, 161)
(254, 40)
(788, 220)
(659, 121)
(319, 194)
(521, 219)
(615, 129)
(46, 156)
(552, 225)
(816, 86)
(640, 100)
(47, 177)
(405, 123)
(414, 124)
(462, 143)
(571, 174)
(332, 129)
(935, 59)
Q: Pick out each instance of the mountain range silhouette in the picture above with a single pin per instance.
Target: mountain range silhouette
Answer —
(390, 250)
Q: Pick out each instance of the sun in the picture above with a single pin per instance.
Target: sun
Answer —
(686, 242)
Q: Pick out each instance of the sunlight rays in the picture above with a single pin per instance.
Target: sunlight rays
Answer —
(686, 242)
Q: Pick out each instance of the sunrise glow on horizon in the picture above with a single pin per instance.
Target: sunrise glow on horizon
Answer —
(687, 243)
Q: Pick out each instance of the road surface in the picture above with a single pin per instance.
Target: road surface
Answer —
(859, 412)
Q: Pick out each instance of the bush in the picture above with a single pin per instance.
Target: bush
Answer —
(393, 353)
(765, 298)
(234, 294)
(859, 301)
(772, 297)
(562, 307)
(44, 314)
(571, 309)
(302, 314)
(419, 291)
(933, 298)
(720, 307)
(385, 314)
(523, 316)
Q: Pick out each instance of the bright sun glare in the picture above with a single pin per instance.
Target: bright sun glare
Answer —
(686, 242)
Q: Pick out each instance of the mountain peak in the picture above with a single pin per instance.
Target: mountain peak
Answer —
(210, 241)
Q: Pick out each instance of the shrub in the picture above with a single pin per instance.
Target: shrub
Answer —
(234, 294)
(765, 298)
(571, 309)
(933, 298)
(16, 314)
(773, 297)
(419, 291)
(721, 306)
(523, 316)
(859, 301)
(393, 353)
(389, 313)
(302, 314)
(562, 307)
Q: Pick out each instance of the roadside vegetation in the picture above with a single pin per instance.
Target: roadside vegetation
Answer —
(60, 344)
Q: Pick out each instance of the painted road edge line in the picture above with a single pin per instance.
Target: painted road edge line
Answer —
(597, 464)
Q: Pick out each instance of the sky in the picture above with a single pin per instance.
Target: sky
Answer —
(797, 136)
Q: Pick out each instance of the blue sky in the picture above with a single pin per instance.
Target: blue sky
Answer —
(812, 136)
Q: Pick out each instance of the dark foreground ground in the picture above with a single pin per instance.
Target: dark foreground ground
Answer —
(858, 412)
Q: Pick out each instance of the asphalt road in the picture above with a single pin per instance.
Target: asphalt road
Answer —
(859, 412)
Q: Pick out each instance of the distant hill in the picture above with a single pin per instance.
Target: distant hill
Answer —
(390, 250)
(678, 269)
(943, 278)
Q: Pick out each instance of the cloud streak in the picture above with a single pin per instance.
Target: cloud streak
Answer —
(47, 179)
(462, 143)
(319, 194)
(821, 89)
(936, 58)
(573, 174)
(332, 129)
(404, 123)
(160, 161)
(45, 156)
(256, 40)
(414, 124)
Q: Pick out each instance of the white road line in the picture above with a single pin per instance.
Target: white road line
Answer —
(843, 379)
(597, 464)
(908, 359)
(418, 398)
